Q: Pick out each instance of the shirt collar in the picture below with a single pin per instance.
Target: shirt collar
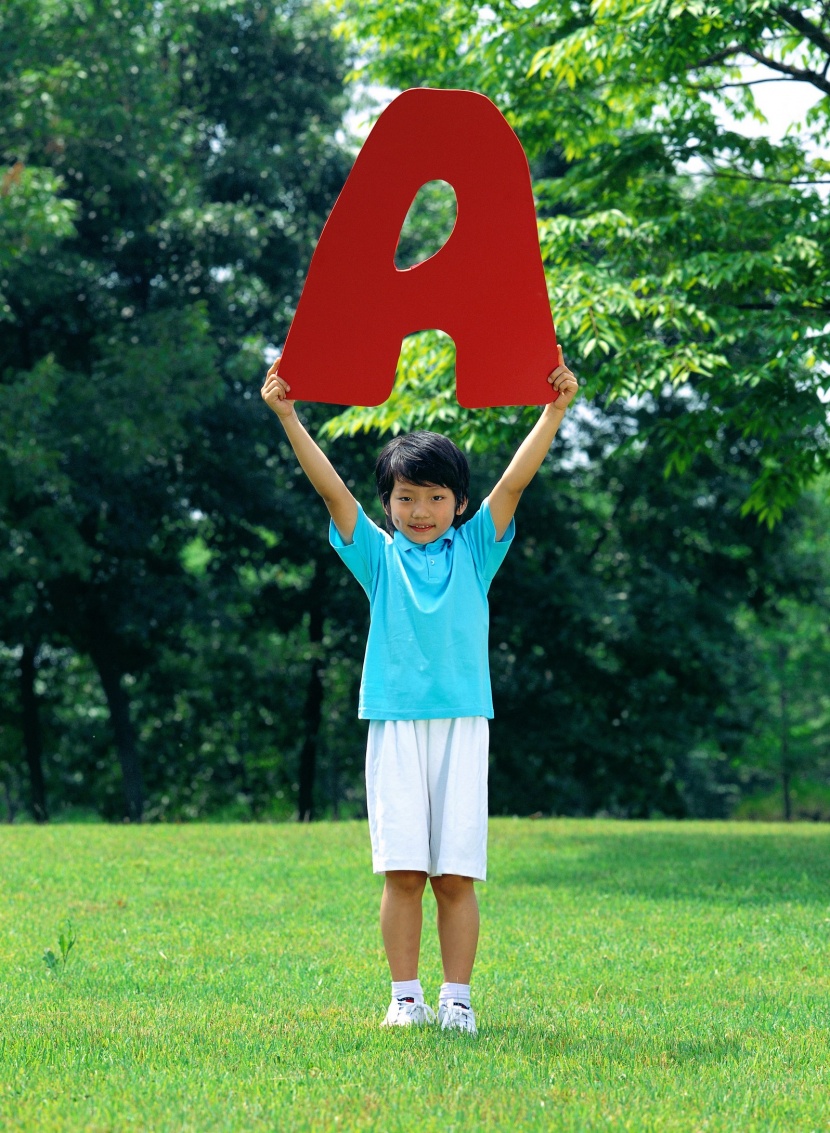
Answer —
(405, 544)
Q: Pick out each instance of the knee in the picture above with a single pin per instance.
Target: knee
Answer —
(451, 887)
(407, 882)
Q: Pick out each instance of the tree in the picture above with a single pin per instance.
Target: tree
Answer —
(680, 252)
(614, 647)
(789, 703)
(33, 216)
(686, 262)
(191, 146)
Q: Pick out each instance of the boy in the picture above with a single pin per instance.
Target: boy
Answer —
(426, 683)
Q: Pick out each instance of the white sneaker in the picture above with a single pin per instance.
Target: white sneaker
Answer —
(454, 1016)
(403, 1013)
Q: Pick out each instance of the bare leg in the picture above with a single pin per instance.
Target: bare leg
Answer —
(401, 919)
(458, 924)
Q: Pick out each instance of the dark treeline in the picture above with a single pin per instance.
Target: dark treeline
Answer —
(177, 638)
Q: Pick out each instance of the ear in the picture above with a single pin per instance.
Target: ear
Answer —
(462, 507)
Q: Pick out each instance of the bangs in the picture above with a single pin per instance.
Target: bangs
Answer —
(423, 458)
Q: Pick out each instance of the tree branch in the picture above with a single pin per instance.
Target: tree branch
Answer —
(767, 180)
(718, 57)
(797, 21)
(748, 83)
(800, 22)
(800, 310)
(811, 77)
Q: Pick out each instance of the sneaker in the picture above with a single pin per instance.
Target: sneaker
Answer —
(455, 1016)
(406, 1012)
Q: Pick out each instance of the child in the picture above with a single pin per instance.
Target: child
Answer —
(426, 683)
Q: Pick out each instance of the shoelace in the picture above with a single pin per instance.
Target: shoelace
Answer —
(456, 1016)
(417, 1012)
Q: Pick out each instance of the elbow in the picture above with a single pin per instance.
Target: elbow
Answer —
(514, 489)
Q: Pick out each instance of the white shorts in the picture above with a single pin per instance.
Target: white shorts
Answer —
(426, 793)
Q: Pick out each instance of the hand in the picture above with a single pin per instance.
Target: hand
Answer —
(563, 380)
(275, 391)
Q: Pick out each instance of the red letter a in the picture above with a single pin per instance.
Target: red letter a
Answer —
(485, 287)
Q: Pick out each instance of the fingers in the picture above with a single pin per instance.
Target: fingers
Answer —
(561, 375)
(274, 384)
(561, 368)
(275, 365)
(563, 380)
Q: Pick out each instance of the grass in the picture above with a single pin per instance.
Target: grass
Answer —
(643, 976)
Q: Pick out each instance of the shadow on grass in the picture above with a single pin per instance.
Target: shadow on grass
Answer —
(601, 1045)
(733, 866)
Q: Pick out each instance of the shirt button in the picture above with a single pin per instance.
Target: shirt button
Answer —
(432, 562)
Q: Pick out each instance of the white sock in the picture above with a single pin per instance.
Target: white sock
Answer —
(458, 993)
(405, 989)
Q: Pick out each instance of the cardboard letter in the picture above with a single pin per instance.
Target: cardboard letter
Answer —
(485, 287)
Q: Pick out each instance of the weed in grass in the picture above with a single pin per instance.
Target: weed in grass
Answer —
(66, 940)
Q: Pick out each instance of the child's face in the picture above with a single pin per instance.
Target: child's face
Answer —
(423, 512)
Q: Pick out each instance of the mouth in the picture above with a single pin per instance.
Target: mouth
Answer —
(422, 526)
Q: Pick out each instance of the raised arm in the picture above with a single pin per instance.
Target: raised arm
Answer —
(318, 468)
(528, 459)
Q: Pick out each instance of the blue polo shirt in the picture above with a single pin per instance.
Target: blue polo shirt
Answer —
(426, 656)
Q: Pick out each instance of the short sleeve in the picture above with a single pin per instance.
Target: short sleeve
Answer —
(363, 555)
(480, 535)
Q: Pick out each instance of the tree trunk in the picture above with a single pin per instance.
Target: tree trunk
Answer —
(313, 713)
(334, 773)
(785, 734)
(119, 706)
(32, 742)
(11, 805)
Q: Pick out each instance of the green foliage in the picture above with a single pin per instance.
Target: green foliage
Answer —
(630, 624)
(809, 801)
(633, 648)
(168, 166)
(33, 217)
(618, 651)
(679, 251)
(168, 169)
(428, 224)
(789, 660)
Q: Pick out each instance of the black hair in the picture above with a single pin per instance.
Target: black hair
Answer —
(422, 458)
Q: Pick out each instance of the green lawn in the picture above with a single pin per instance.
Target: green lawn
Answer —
(645, 976)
